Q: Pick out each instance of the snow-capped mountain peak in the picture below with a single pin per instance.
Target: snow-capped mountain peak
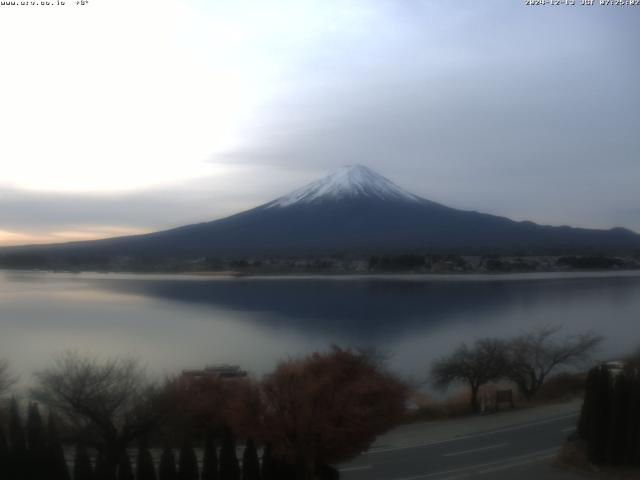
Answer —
(351, 181)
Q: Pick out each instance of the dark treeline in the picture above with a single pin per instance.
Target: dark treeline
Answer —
(33, 452)
(416, 262)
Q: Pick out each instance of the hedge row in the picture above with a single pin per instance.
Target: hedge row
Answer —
(35, 452)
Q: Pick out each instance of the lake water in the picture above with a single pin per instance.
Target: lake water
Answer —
(176, 322)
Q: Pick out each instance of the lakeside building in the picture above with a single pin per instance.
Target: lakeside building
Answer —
(200, 380)
(215, 372)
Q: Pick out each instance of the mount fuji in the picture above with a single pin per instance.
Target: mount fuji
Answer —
(352, 210)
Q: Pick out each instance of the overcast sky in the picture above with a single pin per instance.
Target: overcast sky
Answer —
(128, 116)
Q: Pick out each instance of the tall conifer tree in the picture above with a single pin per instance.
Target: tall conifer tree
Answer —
(125, 472)
(210, 459)
(36, 435)
(82, 468)
(267, 469)
(168, 469)
(101, 470)
(591, 386)
(618, 420)
(5, 467)
(16, 430)
(632, 448)
(250, 462)
(55, 452)
(599, 420)
(188, 462)
(145, 470)
(229, 468)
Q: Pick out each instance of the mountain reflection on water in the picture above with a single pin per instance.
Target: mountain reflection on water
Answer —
(175, 322)
(372, 309)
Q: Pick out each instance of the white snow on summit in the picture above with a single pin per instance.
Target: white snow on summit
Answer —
(347, 182)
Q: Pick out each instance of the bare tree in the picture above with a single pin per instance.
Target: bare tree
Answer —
(535, 354)
(485, 361)
(6, 379)
(112, 399)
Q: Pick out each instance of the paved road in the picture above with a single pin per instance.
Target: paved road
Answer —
(473, 455)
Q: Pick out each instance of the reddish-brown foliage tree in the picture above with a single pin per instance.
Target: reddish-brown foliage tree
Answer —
(328, 408)
(203, 404)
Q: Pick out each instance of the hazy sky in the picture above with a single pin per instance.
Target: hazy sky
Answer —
(127, 116)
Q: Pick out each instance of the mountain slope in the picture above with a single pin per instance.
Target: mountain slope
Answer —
(351, 210)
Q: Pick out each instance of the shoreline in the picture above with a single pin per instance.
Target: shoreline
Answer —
(395, 276)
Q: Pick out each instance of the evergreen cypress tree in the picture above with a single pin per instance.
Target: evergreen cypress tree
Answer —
(274, 468)
(4, 446)
(16, 431)
(145, 468)
(188, 462)
(55, 452)
(632, 447)
(586, 413)
(102, 470)
(267, 470)
(38, 463)
(599, 420)
(229, 468)
(618, 420)
(250, 462)
(5, 467)
(210, 459)
(168, 465)
(300, 467)
(82, 469)
(283, 470)
(125, 472)
(36, 436)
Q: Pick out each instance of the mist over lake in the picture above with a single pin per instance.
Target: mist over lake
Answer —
(176, 322)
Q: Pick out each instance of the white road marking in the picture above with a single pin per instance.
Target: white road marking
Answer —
(354, 469)
(474, 435)
(570, 429)
(473, 468)
(464, 452)
(518, 463)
